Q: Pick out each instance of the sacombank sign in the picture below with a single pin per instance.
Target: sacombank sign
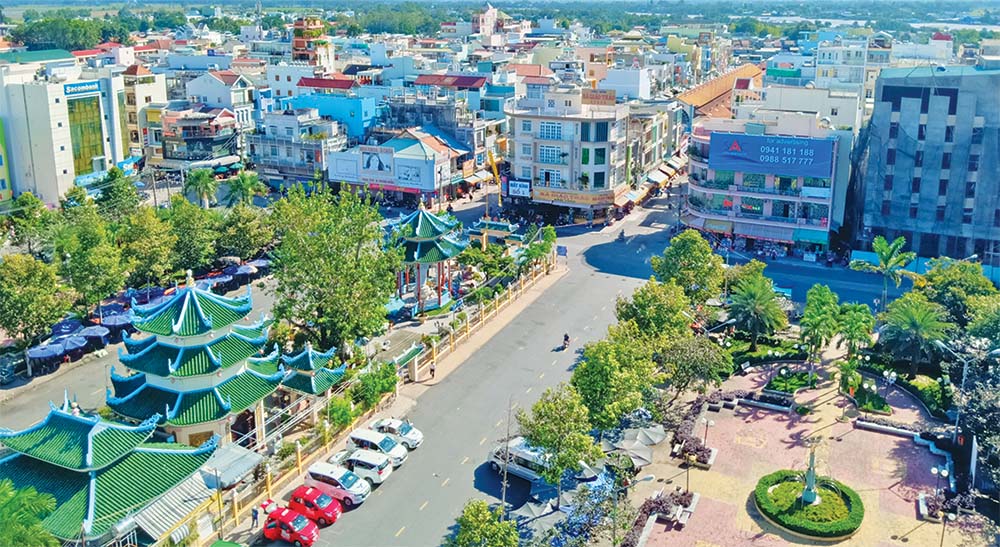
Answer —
(771, 154)
(79, 88)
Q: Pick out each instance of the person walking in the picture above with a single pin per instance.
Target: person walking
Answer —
(254, 515)
(433, 369)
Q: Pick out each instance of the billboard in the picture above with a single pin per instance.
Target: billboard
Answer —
(598, 97)
(77, 88)
(771, 154)
(376, 164)
(519, 188)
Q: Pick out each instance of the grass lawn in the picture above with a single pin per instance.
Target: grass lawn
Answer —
(792, 382)
(831, 507)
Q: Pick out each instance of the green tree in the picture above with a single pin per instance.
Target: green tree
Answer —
(559, 425)
(952, 283)
(333, 270)
(480, 526)
(613, 378)
(492, 262)
(694, 363)
(690, 263)
(245, 231)
(738, 272)
(31, 298)
(985, 313)
(855, 326)
(243, 187)
(912, 325)
(272, 21)
(756, 310)
(31, 222)
(820, 320)
(892, 261)
(90, 260)
(147, 247)
(657, 309)
(202, 183)
(119, 197)
(195, 229)
(21, 512)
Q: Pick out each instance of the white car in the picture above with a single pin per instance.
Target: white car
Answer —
(378, 442)
(338, 482)
(372, 466)
(400, 430)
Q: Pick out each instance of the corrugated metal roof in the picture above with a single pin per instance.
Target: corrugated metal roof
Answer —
(177, 503)
(232, 462)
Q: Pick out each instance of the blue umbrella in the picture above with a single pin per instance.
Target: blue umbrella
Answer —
(73, 343)
(117, 321)
(111, 309)
(94, 331)
(46, 352)
(66, 326)
(260, 263)
(245, 269)
(139, 185)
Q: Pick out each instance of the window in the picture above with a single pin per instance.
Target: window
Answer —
(967, 215)
(996, 218)
(62, 148)
(887, 183)
(288, 131)
(598, 179)
(552, 177)
(885, 208)
(890, 156)
(57, 100)
(601, 132)
(585, 156)
(277, 78)
(833, 111)
(600, 156)
(977, 135)
(913, 211)
(949, 133)
(526, 150)
(584, 131)
(918, 158)
(567, 103)
(526, 173)
(288, 78)
(942, 187)
(893, 130)
(921, 132)
(755, 180)
(915, 185)
(526, 126)
(973, 163)
(550, 131)
(939, 213)
(970, 189)
(550, 154)
(535, 91)
(148, 99)
(946, 160)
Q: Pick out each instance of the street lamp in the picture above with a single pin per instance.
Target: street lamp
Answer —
(939, 474)
(784, 372)
(961, 387)
(890, 379)
(944, 525)
(708, 423)
(614, 511)
(867, 387)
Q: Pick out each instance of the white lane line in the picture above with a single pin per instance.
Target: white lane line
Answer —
(540, 376)
(482, 442)
(554, 361)
(443, 484)
(400, 531)
(422, 505)
(465, 460)
(498, 423)
(594, 319)
(529, 390)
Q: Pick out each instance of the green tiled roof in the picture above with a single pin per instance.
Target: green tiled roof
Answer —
(94, 501)
(429, 252)
(248, 388)
(161, 359)
(494, 226)
(422, 225)
(308, 359)
(190, 312)
(77, 442)
(266, 365)
(316, 382)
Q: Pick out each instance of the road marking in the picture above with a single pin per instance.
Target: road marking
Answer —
(378, 492)
(443, 484)
(540, 376)
(594, 319)
(482, 442)
(400, 531)
(422, 505)
(603, 308)
(529, 390)
(498, 423)
(465, 460)
(103, 389)
(587, 327)
(554, 361)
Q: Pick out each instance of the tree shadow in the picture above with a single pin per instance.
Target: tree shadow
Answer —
(489, 482)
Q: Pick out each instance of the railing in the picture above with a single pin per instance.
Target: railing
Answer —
(772, 191)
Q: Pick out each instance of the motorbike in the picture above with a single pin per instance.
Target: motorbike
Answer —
(621, 236)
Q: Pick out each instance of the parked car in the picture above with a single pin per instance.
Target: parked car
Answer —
(339, 482)
(400, 430)
(316, 505)
(290, 526)
(523, 460)
(372, 466)
(378, 442)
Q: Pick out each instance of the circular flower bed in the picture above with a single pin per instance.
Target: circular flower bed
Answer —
(838, 514)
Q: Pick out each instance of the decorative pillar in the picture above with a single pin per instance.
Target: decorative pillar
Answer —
(258, 423)
(236, 507)
(298, 456)
(267, 480)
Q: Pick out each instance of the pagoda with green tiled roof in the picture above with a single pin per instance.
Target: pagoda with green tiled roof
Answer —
(307, 372)
(427, 240)
(191, 367)
(99, 472)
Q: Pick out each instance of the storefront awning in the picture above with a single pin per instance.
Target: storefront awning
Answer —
(676, 163)
(692, 221)
(720, 226)
(811, 236)
(763, 232)
(621, 200)
(657, 176)
(484, 175)
(667, 170)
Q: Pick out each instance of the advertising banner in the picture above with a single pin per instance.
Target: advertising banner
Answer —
(519, 188)
(376, 164)
(598, 97)
(771, 154)
(574, 198)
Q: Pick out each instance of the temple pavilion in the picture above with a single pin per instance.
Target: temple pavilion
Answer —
(99, 472)
(190, 368)
(430, 242)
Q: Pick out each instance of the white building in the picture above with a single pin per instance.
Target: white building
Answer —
(629, 83)
(283, 78)
(225, 89)
(842, 108)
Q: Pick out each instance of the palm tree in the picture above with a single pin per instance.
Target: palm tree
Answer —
(819, 321)
(244, 186)
(21, 512)
(755, 309)
(855, 326)
(203, 184)
(912, 325)
(892, 260)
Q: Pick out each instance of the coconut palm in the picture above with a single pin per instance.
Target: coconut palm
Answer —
(892, 260)
(21, 512)
(819, 321)
(202, 183)
(243, 187)
(912, 325)
(755, 309)
(855, 326)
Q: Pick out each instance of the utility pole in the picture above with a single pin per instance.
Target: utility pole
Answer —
(506, 460)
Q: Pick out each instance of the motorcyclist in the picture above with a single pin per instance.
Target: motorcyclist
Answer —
(566, 340)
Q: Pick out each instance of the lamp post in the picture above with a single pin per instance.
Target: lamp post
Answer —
(784, 372)
(614, 510)
(708, 423)
(939, 474)
(890, 379)
(944, 525)
(690, 463)
(961, 387)
(867, 387)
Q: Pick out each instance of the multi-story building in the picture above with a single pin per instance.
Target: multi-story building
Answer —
(932, 173)
(776, 183)
(225, 89)
(310, 43)
(181, 136)
(292, 145)
(142, 88)
(568, 148)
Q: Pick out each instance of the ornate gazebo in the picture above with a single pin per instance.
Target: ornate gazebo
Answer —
(307, 372)
(429, 242)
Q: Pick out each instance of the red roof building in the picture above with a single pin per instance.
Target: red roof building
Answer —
(455, 82)
(327, 83)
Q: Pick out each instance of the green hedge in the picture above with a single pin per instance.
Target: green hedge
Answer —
(844, 527)
(925, 388)
(741, 353)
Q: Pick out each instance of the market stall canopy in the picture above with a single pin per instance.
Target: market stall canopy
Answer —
(46, 352)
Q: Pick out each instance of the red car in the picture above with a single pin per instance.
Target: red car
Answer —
(317, 506)
(290, 526)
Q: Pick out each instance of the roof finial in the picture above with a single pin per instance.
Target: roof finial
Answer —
(188, 278)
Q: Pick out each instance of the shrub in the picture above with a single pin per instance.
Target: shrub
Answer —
(931, 393)
(372, 385)
(339, 412)
(804, 522)
(286, 450)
